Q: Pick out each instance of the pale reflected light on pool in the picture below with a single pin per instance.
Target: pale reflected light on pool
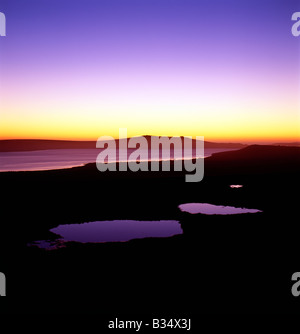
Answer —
(117, 230)
(110, 231)
(210, 209)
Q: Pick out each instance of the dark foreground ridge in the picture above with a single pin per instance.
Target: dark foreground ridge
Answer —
(220, 264)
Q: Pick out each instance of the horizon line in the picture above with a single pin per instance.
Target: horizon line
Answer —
(216, 140)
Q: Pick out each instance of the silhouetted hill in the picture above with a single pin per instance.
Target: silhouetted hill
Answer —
(255, 159)
(19, 145)
(296, 143)
(261, 152)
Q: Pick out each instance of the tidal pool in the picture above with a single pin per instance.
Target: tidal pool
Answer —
(110, 231)
(211, 209)
(117, 230)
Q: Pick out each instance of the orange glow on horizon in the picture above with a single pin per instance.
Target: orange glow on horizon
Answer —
(218, 124)
(74, 135)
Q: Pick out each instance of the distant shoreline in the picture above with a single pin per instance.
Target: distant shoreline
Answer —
(247, 156)
(21, 145)
(54, 159)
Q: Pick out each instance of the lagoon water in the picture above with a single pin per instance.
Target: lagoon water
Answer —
(210, 209)
(110, 231)
(64, 158)
(117, 230)
(125, 230)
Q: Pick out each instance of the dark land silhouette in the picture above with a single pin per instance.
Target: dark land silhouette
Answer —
(20, 145)
(220, 264)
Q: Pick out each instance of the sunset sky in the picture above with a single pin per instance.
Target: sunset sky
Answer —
(80, 69)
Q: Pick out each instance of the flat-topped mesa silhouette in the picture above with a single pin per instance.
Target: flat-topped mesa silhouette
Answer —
(207, 144)
(19, 145)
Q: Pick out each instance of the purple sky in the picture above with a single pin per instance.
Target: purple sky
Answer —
(84, 68)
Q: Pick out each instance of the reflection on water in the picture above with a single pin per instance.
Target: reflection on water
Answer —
(48, 244)
(46, 159)
(125, 230)
(117, 230)
(111, 231)
(233, 186)
(67, 158)
(210, 209)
